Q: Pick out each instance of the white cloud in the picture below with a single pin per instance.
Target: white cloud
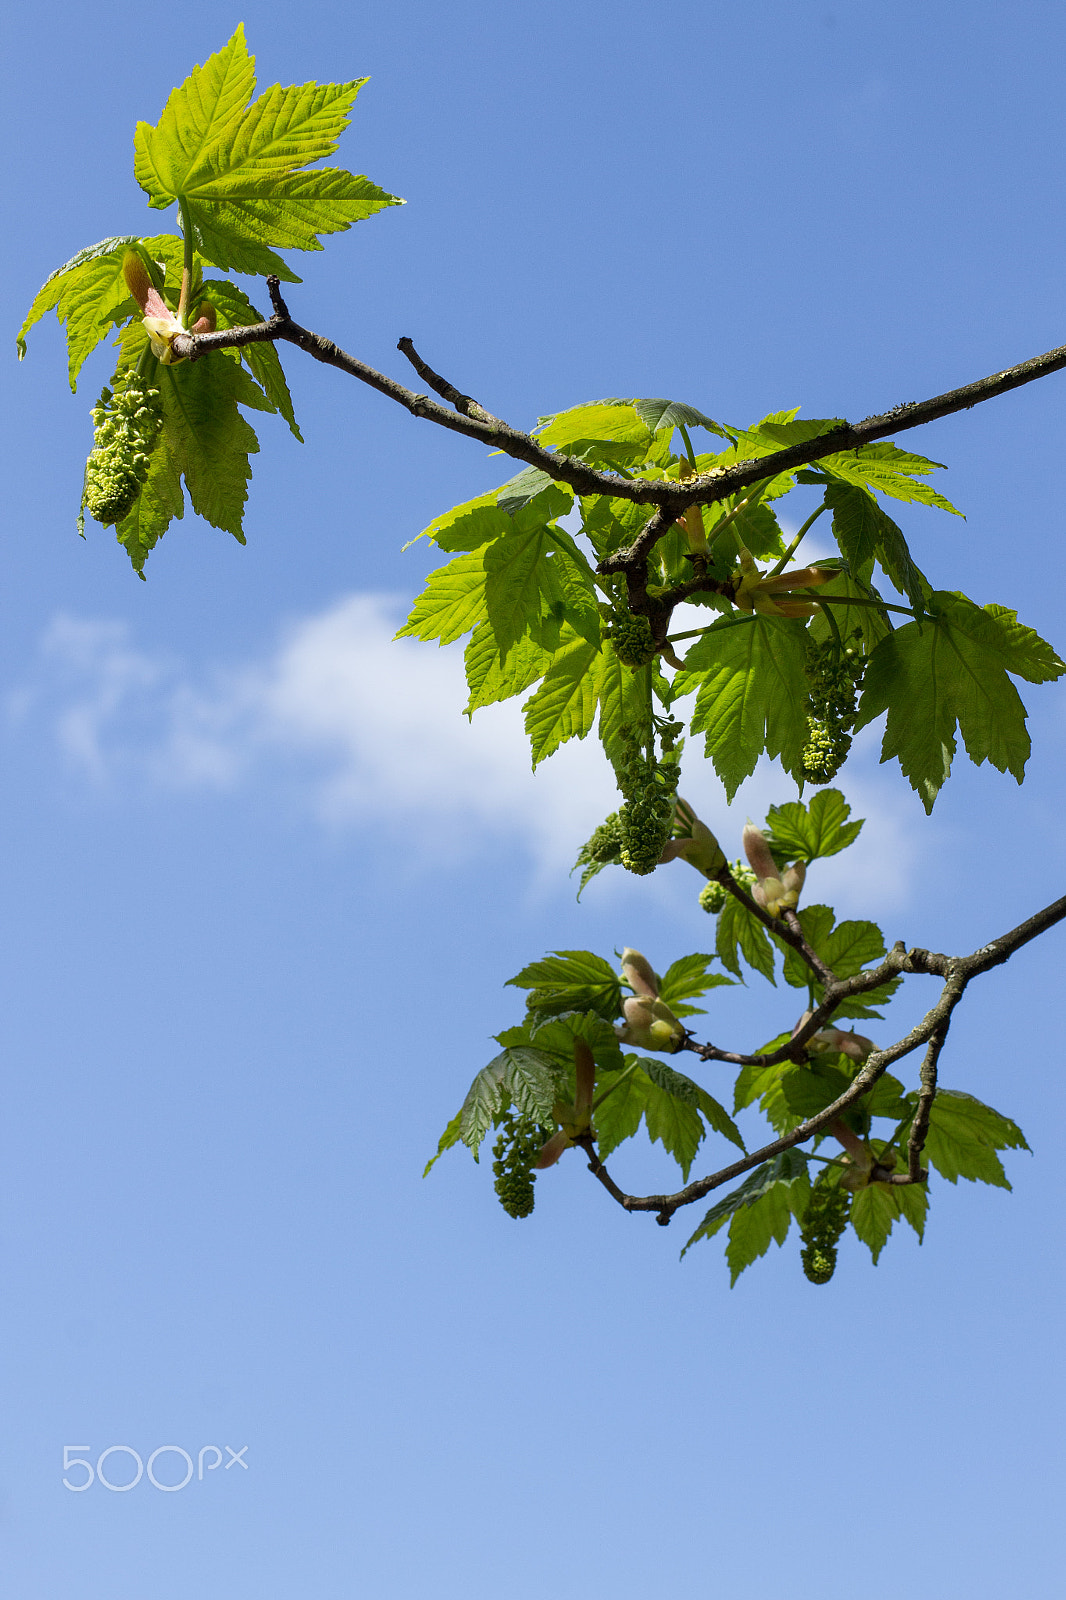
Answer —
(369, 730)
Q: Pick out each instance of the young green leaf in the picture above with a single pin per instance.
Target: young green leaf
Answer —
(964, 1135)
(452, 603)
(841, 601)
(529, 484)
(234, 166)
(611, 428)
(564, 706)
(235, 310)
(625, 701)
(784, 1184)
(893, 471)
(752, 694)
(951, 670)
(672, 1120)
(485, 1098)
(876, 1209)
(88, 290)
(514, 582)
(817, 924)
(492, 675)
(208, 437)
(448, 1138)
(686, 978)
(741, 934)
(571, 980)
(656, 414)
(531, 1079)
(798, 832)
(619, 1115)
(608, 524)
(159, 501)
(682, 1088)
(556, 1036)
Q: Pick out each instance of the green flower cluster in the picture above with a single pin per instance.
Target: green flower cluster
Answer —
(825, 1219)
(713, 897)
(516, 1149)
(646, 816)
(833, 680)
(126, 425)
(602, 849)
(631, 639)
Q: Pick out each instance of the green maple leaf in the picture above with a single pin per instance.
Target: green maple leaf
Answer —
(88, 291)
(798, 832)
(965, 1134)
(493, 674)
(876, 1210)
(687, 979)
(893, 471)
(759, 1210)
(950, 671)
(671, 1113)
(159, 502)
(452, 603)
(556, 1035)
(752, 694)
(564, 706)
(741, 934)
(571, 980)
(235, 310)
(625, 699)
(235, 166)
(670, 1105)
(611, 426)
(866, 533)
(515, 577)
(208, 437)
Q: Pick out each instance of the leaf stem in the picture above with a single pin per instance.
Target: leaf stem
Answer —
(611, 1087)
(794, 546)
(187, 261)
(858, 600)
(683, 431)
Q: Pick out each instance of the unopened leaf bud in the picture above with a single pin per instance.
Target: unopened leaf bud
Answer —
(554, 1148)
(758, 852)
(638, 973)
(774, 890)
(206, 321)
(650, 1025)
(135, 273)
(835, 1041)
(698, 846)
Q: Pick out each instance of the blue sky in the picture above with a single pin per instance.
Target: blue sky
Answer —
(263, 885)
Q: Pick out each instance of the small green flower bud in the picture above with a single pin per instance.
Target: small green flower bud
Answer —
(824, 1221)
(516, 1150)
(833, 679)
(712, 898)
(126, 428)
(631, 639)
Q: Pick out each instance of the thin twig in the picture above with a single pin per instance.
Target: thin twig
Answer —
(957, 973)
(676, 494)
(926, 1096)
(463, 403)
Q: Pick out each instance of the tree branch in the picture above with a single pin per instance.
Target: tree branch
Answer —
(932, 1030)
(463, 403)
(927, 1094)
(674, 496)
